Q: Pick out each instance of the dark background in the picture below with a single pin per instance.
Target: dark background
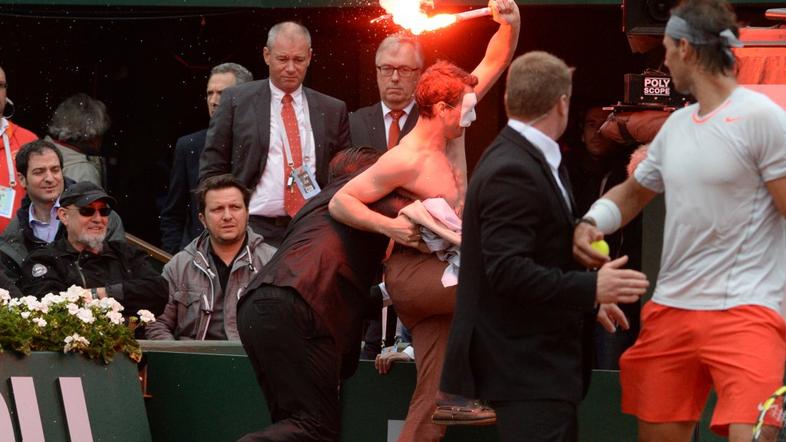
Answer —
(150, 66)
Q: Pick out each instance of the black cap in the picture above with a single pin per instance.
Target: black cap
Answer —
(83, 193)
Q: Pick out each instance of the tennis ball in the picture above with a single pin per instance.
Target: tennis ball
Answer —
(601, 247)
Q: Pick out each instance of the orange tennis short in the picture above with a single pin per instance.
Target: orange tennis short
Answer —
(667, 374)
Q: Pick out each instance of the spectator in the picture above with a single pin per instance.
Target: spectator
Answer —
(14, 136)
(39, 166)
(399, 62)
(210, 275)
(276, 136)
(594, 168)
(77, 128)
(180, 215)
(84, 257)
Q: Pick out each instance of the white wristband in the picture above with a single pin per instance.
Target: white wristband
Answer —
(606, 215)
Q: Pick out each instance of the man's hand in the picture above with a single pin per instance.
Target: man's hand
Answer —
(403, 231)
(505, 12)
(616, 284)
(610, 316)
(583, 235)
(384, 360)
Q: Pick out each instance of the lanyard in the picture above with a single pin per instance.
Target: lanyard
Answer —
(8, 160)
(285, 139)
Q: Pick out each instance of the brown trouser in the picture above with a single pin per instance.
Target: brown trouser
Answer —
(426, 308)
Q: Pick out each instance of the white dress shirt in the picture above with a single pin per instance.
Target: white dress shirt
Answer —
(548, 147)
(267, 199)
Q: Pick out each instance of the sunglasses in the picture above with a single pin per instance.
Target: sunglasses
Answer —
(90, 211)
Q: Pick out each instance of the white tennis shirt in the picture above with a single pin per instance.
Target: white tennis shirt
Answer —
(724, 240)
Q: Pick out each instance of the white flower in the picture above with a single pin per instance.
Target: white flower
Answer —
(74, 293)
(41, 322)
(5, 297)
(72, 308)
(31, 302)
(15, 302)
(25, 314)
(110, 304)
(51, 299)
(85, 315)
(115, 317)
(146, 317)
(74, 342)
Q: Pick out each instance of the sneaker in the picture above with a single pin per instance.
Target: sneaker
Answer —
(472, 413)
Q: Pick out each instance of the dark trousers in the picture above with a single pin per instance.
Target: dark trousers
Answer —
(296, 363)
(536, 421)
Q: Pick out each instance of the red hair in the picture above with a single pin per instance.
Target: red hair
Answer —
(442, 81)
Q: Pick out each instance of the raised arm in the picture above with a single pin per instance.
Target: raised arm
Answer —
(501, 47)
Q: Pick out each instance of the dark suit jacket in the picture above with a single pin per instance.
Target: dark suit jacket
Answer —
(179, 217)
(518, 331)
(238, 138)
(367, 125)
(333, 267)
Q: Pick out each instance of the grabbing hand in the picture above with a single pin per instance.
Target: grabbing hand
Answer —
(616, 284)
(504, 12)
(403, 231)
(610, 316)
(583, 235)
(384, 360)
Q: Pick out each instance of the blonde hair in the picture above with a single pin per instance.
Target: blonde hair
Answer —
(536, 80)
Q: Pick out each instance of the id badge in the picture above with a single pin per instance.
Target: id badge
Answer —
(7, 195)
(306, 182)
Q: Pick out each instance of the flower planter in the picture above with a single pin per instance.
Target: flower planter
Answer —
(67, 397)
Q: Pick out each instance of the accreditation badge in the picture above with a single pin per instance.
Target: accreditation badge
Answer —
(306, 182)
(7, 196)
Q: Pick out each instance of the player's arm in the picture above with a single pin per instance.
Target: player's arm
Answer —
(350, 204)
(501, 47)
(629, 197)
(777, 189)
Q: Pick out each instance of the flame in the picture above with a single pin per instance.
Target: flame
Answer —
(409, 15)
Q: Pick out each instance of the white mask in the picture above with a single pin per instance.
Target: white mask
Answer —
(468, 109)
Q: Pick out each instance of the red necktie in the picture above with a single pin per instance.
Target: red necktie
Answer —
(394, 131)
(293, 199)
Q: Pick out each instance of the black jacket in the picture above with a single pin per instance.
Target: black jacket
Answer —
(332, 266)
(367, 126)
(524, 311)
(179, 217)
(123, 270)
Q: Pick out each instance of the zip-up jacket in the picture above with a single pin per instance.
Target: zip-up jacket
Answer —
(195, 290)
(123, 270)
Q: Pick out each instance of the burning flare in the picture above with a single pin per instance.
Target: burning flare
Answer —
(409, 15)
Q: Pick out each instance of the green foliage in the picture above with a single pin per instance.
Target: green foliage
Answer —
(69, 322)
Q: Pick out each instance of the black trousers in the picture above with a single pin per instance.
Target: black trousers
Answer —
(296, 363)
(536, 421)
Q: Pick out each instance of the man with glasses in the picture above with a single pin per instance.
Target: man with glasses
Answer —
(39, 169)
(276, 136)
(13, 137)
(84, 257)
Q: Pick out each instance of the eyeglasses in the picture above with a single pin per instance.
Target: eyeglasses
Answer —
(90, 211)
(403, 71)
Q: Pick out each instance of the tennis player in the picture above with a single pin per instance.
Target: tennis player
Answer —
(714, 317)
